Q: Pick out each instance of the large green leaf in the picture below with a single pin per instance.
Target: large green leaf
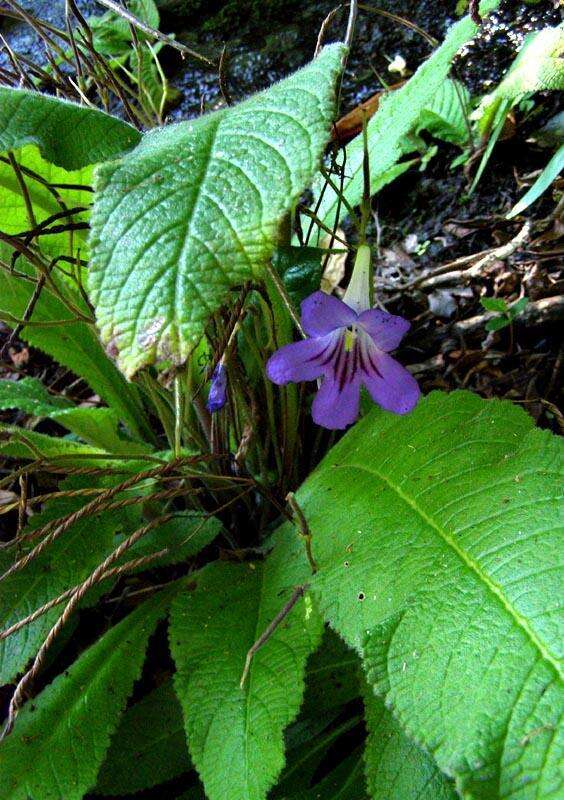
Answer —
(149, 746)
(73, 344)
(41, 178)
(184, 535)
(396, 768)
(445, 115)
(67, 135)
(62, 565)
(60, 739)
(97, 426)
(16, 442)
(436, 540)
(538, 67)
(345, 782)
(397, 116)
(196, 208)
(235, 735)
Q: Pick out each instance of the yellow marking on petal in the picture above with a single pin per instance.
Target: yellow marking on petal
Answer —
(350, 336)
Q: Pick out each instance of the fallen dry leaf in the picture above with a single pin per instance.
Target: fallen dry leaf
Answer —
(334, 271)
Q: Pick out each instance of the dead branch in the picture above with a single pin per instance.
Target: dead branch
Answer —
(162, 37)
(264, 637)
(446, 275)
(25, 684)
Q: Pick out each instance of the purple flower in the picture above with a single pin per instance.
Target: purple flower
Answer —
(217, 396)
(348, 350)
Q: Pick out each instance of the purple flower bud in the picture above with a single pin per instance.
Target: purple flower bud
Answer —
(217, 396)
(347, 350)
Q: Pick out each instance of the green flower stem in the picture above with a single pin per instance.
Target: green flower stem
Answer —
(161, 407)
(270, 408)
(284, 315)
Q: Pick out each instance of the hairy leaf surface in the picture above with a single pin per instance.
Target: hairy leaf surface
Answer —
(396, 768)
(437, 540)
(66, 134)
(538, 67)
(195, 209)
(30, 396)
(445, 115)
(61, 737)
(149, 746)
(235, 735)
(184, 535)
(17, 442)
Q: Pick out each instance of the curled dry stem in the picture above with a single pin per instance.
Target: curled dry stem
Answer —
(264, 637)
(305, 532)
(56, 528)
(26, 683)
(162, 37)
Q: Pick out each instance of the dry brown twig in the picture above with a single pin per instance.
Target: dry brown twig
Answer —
(222, 77)
(74, 596)
(264, 637)
(323, 29)
(56, 528)
(478, 262)
(474, 10)
(115, 572)
(305, 532)
(162, 37)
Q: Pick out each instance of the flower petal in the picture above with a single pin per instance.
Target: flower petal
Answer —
(335, 406)
(217, 396)
(301, 361)
(323, 313)
(393, 388)
(386, 330)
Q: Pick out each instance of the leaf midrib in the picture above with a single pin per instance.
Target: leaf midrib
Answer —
(469, 562)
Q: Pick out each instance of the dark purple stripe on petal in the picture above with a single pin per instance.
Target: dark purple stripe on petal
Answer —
(299, 361)
(341, 365)
(369, 356)
(328, 354)
(393, 387)
(334, 408)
